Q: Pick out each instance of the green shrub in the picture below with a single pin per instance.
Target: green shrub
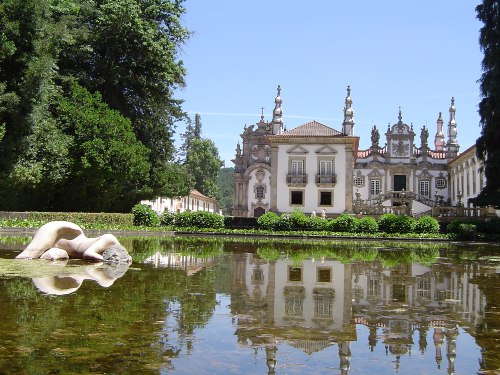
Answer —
(145, 216)
(391, 223)
(344, 223)
(317, 223)
(490, 226)
(285, 223)
(462, 231)
(199, 219)
(268, 221)
(228, 221)
(427, 224)
(167, 218)
(367, 225)
(299, 220)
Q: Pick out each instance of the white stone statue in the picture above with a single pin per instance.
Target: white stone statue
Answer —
(63, 240)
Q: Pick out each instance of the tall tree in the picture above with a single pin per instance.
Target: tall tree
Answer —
(124, 49)
(226, 189)
(204, 164)
(489, 108)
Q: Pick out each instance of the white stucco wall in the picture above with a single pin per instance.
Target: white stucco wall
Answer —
(311, 190)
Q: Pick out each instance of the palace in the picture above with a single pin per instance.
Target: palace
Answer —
(318, 169)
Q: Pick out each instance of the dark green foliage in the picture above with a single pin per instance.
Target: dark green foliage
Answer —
(167, 219)
(491, 226)
(104, 148)
(390, 223)
(427, 224)
(489, 106)
(198, 219)
(367, 225)
(299, 220)
(145, 216)
(268, 221)
(317, 223)
(285, 223)
(204, 164)
(344, 223)
(226, 189)
(462, 231)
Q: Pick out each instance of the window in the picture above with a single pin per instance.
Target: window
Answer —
(359, 182)
(325, 198)
(259, 192)
(294, 274)
(325, 167)
(297, 197)
(297, 167)
(374, 187)
(440, 183)
(324, 275)
(473, 181)
(424, 188)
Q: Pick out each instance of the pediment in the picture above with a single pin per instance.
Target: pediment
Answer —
(297, 150)
(326, 150)
(375, 173)
(424, 174)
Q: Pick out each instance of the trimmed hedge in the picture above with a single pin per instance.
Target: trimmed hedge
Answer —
(427, 224)
(145, 216)
(367, 225)
(83, 218)
(391, 223)
(344, 223)
(198, 219)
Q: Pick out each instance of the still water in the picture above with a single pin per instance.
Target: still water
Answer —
(194, 306)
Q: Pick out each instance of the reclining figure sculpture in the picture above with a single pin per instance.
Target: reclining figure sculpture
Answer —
(63, 240)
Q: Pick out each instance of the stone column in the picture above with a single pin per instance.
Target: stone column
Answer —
(273, 204)
(349, 163)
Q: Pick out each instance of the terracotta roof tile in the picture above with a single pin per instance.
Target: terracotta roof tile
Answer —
(312, 129)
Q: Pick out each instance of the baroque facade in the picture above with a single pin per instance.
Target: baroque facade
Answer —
(315, 168)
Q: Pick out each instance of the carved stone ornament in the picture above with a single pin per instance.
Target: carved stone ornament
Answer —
(400, 148)
(260, 174)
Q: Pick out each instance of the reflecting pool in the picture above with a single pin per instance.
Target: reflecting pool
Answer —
(221, 306)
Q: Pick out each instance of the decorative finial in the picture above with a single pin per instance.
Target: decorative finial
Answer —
(262, 114)
(400, 116)
(348, 124)
(279, 90)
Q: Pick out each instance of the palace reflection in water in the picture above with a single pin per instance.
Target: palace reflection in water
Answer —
(317, 304)
(220, 307)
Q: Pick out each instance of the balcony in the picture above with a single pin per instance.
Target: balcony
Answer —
(296, 179)
(326, 179)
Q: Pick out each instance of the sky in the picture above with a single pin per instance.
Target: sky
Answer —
(413, 55)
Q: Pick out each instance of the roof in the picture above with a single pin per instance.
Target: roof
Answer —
(312, 129)
(196, 194)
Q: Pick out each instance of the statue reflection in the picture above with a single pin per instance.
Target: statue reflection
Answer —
(66, 283)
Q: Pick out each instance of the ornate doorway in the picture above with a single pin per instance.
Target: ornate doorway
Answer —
(399, 182)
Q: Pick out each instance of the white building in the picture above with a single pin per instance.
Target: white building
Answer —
(317, 168)
(195, 201)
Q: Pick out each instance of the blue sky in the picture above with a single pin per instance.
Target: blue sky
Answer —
(410, 54)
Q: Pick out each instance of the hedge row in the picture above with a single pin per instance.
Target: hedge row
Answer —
(81, 218)
(388, 223)
(145, 216)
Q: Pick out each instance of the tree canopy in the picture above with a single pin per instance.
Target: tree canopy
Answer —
(489, 107)
(87, 105)
(201, 159)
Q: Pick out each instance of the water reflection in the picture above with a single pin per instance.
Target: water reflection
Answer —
(319, 303)
(227, 310)
(65, 283)
(61, 277)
